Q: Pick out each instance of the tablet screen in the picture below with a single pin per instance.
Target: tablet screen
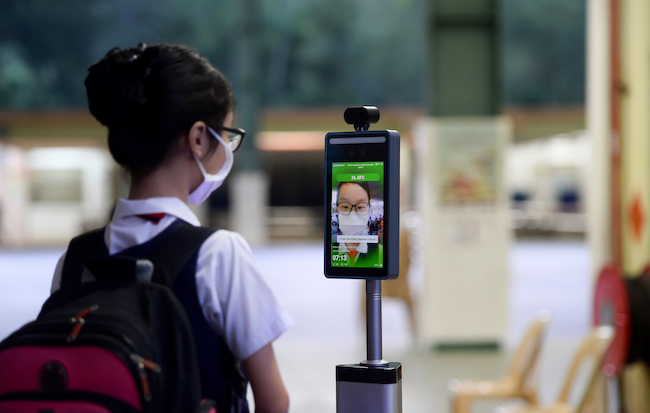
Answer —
(357, 214)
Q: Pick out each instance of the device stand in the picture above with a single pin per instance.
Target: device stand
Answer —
(374, 385)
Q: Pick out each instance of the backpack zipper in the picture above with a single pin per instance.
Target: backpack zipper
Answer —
(79, 321)
(143, 365)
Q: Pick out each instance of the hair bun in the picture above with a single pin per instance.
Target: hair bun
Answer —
(115, 84)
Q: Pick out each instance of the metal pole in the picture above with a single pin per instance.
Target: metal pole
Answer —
(373, 324)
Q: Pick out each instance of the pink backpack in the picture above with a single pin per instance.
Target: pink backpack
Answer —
(121, 344)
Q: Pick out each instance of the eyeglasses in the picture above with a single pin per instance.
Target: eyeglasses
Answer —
(345, 208)
(234, 137)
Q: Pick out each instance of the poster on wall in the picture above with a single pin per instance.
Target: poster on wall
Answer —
(469, 164)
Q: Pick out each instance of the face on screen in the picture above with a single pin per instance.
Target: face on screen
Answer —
(357, 214)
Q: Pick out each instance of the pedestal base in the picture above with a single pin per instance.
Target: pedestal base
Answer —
(364, 389)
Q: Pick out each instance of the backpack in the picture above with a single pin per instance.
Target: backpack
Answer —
(120, 344)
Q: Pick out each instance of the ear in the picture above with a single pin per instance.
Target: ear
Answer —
(197, 139)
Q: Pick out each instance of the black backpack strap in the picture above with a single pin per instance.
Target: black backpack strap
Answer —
(89, 245)
(169, 255)
(169, 251)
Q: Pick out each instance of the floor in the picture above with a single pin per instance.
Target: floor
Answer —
(329, 330)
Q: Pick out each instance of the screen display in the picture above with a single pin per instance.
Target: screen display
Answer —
(357, 214)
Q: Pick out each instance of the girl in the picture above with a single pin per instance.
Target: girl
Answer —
(169, 115)
(353, 212)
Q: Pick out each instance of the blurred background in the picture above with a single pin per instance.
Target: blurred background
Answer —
(517, 187)
(295, 65)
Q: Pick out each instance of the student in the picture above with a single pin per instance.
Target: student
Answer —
(169, 115)
(353, 213)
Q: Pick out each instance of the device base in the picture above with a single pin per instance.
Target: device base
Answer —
(365, 389)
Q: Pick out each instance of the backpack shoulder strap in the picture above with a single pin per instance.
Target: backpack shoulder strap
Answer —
(172, 253)
(89, 245)
(169, 252)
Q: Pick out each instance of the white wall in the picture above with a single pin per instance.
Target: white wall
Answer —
(60, 216)
(13, 195)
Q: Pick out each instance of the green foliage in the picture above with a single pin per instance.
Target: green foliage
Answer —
(345, 52)
(44, 48)
(544, 51)
(310, 52)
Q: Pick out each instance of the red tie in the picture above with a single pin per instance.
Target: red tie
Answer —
(353, 254)
(155, 218)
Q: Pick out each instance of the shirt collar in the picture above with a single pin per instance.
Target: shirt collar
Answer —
(168, 205)
(362, 248)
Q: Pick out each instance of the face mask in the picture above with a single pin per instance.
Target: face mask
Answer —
(211, 181)
(353, 223)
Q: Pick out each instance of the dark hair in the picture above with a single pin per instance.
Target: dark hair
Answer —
(150, 96)
(362, 184)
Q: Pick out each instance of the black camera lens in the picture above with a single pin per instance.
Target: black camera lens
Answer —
(351, 152)
(361, 116)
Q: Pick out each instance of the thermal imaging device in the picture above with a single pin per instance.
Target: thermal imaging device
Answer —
(362, 241)
(362, 199)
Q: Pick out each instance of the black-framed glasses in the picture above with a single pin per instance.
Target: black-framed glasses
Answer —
(234, 137)
(345, 208)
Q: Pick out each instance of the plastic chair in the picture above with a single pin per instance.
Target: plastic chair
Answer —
(576, 395)
(519, 382)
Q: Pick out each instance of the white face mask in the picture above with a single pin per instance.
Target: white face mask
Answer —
(211, 181)
(353, 223)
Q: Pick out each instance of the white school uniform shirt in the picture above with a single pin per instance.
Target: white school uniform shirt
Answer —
(362, 248)
(236, 300)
